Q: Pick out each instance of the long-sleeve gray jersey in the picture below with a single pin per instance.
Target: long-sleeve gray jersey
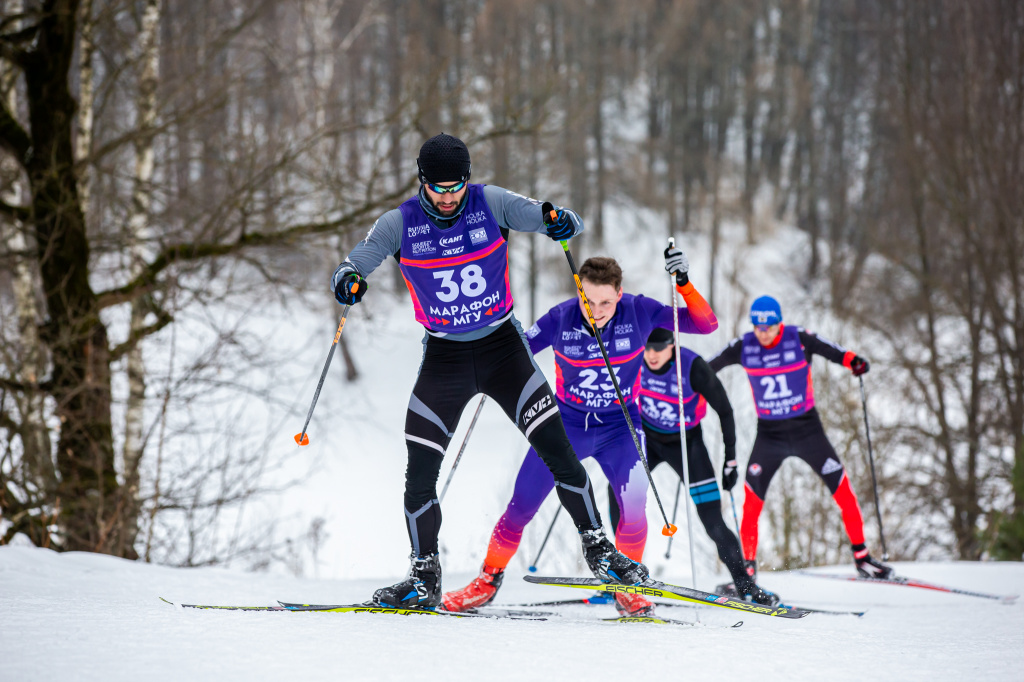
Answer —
(512, 211)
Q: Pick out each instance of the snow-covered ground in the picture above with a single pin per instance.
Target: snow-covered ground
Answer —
(91, 617)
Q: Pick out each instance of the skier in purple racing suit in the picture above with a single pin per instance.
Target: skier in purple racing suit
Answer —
(451, 242)
(593, 418)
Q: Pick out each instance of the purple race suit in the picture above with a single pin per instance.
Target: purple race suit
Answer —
(458, 278)
(581, 377)
(659, 402)
(780, 376)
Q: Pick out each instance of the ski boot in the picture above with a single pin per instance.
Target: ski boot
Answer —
(748, 589)
(421, 590)
(868, 567)
(633, 605)
(607, 563)
(480, 592)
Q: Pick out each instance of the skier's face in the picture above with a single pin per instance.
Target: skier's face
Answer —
(656, 359)
(766, 333)
(603, 299)
(447, 202)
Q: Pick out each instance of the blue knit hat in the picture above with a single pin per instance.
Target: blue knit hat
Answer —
(765, 311)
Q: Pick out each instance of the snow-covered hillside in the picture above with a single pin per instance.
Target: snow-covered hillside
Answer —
(91, 617)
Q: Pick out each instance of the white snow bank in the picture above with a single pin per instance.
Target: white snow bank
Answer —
(91, 617)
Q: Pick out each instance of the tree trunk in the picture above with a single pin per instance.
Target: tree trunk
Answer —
(77, 337)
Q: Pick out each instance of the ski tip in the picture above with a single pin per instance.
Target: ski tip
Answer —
(1009, 599)
(669, 530)
(302, 439)
(167, 602)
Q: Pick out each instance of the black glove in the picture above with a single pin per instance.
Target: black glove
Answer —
(676, 262)
(859, 366)
(348, 286)
(730, 470)
(560, 226)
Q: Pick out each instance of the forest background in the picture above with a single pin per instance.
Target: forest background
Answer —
(174, 175)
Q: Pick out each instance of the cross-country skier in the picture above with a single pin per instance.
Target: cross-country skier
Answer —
(659, 408)
(777, 360)
(451, 243)
(590, 409)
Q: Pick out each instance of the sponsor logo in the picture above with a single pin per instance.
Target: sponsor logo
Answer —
(417, 230)
(448, 241)
(751, 349)
(789, 356)
(423, 247)
(574, 335)
(722, 600)
(831, 466)
(622, 344)
(624, 329)
(763, 316)
(753, 361)
(594, 347)
(533, 331)
(536, 409)
(478, 236)
(574, 350)
(477, 217)
(453, 252)
(754, 469)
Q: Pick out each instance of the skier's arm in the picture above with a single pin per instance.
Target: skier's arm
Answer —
(730, 355)
(696, 318)
(705, 382)
(540, 335)
(384, 239)
(522, 214)
(819, 345)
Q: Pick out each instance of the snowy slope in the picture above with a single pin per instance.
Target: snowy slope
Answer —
(91, 617)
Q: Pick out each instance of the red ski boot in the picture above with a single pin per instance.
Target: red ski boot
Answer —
(480, 592)
(633, 605)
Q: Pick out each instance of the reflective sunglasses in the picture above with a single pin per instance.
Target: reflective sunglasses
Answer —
(438, 189)
(658, 346)
(763, 328)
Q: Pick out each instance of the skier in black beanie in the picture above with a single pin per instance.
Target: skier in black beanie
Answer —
(451, 243)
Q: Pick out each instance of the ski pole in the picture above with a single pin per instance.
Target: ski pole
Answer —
(469, 432)
(550, 216)
(871, 459)
(675, 509)
(735, 519)
(682, 419)
(301, 438)
(533, 566)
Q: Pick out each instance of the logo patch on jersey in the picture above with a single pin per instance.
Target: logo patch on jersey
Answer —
(574, 335)
(423, 247)
(831, 466)
(536, 409)
(448, 241)
(533, 331)
(754, 469)
(789, 356)
(574, 350)
(477, 217)
(623, 329)
(453, 252)
(478, 236)
(751, 349)
(621, 344)
(417, 230)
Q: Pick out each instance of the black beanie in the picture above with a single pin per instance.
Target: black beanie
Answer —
(444, 158)
(660, 338)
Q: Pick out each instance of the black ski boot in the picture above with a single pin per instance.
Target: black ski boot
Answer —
(868, 567)
(607, 563)
(422, 589)
(748, 589)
